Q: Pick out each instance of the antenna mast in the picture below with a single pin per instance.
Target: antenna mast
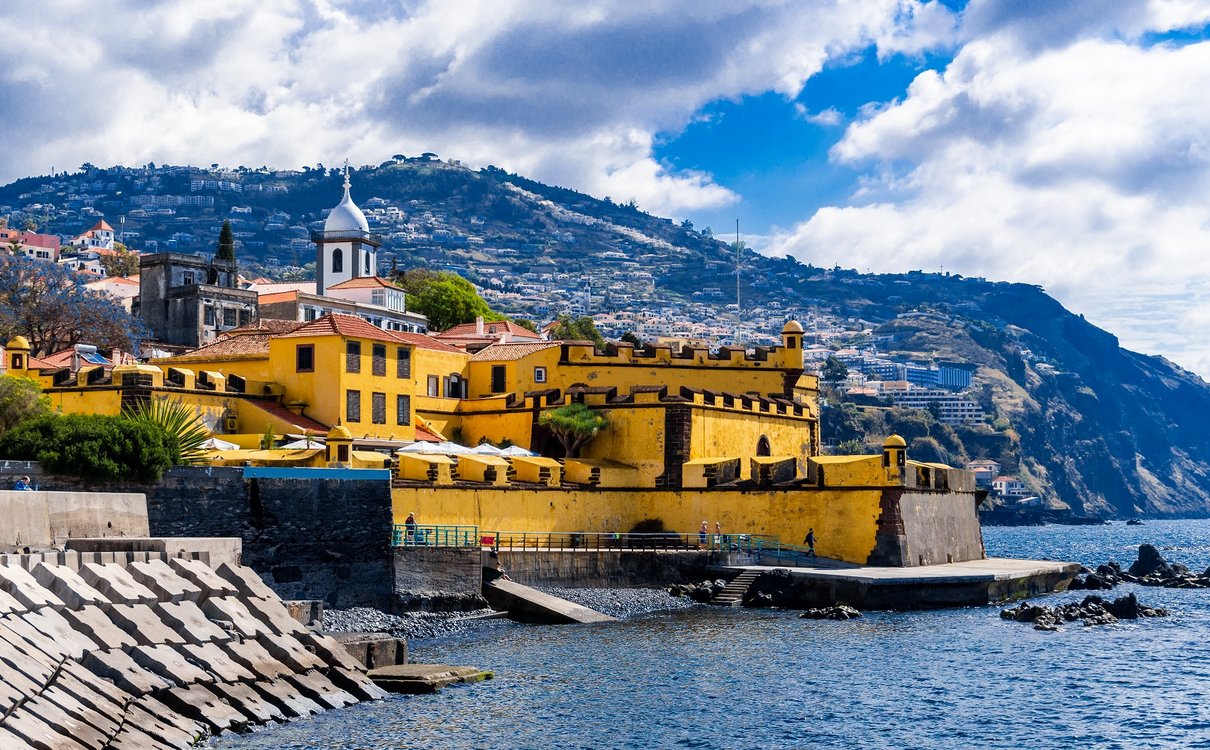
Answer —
(737, 267)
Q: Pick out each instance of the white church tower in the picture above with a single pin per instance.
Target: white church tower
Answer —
(345, 249)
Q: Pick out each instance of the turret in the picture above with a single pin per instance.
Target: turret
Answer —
(894, 458)
(18, 355)
(340, 446)
(791, 343)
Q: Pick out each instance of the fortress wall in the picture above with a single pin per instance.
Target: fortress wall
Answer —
(47, 518)
(940, 528)
(604, 568)
(845, 521)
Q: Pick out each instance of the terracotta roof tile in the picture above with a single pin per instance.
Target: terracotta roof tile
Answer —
(242, 345)
(266, 325)
(363, 282)
(511, 352)
(491, 329)
(303, 423)
(352, 326)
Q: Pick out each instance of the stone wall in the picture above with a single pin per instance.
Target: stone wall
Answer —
(605, 568)
(438, 578)
(309, 538)
(927, 528)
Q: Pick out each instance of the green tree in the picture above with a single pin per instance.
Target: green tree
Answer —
(568, 328)
(123, 261)
(181, 423)
(226, 243)
(574, 425)
(446, 299)
(853, 447)
(834, 371)
(527, 324)
(20, 399)
(92, 446)
(268, 438)
(632, 338)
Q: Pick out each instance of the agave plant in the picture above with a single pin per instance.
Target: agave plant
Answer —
(178, 420)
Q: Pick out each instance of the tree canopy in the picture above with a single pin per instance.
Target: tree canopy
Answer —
(574, 425)
(834, 370)
(446, 299)
(582, 328)
(49, 305)
(20, 399)
(93, 446)
(123, 261)
(226, 243)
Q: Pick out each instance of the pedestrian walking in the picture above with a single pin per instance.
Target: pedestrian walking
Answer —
(409, 526)
(810, 542)
(702, 533)
(23, 485)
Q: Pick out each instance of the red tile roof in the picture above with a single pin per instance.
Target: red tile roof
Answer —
(425, 435)
(363, 282)
(266, 325)
(511, 352)
(242, 345)
(303, 423)
(491, 329)
(337, 324)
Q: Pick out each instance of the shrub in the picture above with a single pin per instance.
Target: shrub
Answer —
(20, 399)
(92, 446)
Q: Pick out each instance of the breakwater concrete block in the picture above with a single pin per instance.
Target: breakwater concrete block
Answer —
(200, 704)
(99, 627)
(188, 619)
(352, 650)
(271, 612)
(22, 586)
(248, 701)
(213, 659)
(144, 625)
(355, 682)
(35, 732)
(320, 689)
(52, 623)
(306, 611)
(123, 671)
(8, 604)
(288, 698)
(253, 656)
(164, 725)
(170, 664)
(424, 678)
(78, 710)
(289, 651)
(232, 610)
(24, 665)
(25, 647)
(246, 581)
(116, 584)
(80, 731)
(67, 584)
(163, 581)
(54, 650)
(89, 695)
(202, 576)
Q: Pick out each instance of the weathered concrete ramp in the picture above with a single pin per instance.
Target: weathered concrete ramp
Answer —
(530, 605)
(145, 652)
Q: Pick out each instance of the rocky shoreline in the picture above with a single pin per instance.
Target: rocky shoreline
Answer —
(1150, 569)
(1092, 611)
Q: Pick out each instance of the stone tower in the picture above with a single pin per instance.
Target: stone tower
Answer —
(345, 249)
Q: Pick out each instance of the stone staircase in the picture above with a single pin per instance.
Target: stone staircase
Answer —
(733, 594)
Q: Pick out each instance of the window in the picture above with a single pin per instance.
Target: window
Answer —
(403, 410)
(367, 264)
(378, 360)
(499, 375)
(245, 317)
(453, 386)
(208, 315)
(308, 314)
(229, 317)
(353, 356)
(539, 374)
(304, 358)
(378, 297)
(434, 386)
(403, 365)
(352, 406)
(378, 408)
(188, 278)
(338, 261)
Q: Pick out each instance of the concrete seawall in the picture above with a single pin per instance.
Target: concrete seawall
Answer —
(138, 650)
(45, 519)
(605, 568)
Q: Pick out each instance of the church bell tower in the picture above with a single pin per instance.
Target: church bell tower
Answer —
(345, 249)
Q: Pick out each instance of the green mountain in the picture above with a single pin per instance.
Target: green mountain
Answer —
(1086, 423)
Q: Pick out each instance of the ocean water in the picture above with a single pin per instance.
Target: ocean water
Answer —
(732, 678)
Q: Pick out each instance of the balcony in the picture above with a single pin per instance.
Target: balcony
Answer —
(351, 235)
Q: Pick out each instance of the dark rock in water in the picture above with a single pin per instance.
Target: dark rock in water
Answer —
(1151, 563)
(1134, 522)
(1092, 611)
(839, 611)
(1093, 582)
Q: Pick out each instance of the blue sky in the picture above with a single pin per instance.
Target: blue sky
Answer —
(1065, 143)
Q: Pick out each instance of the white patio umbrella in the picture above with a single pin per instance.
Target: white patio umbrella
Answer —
(516, 450)
(303, 444)
(420, 447)
(485, 449)
(216, 444)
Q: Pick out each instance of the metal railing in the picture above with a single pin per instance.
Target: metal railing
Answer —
(416, 535)
(599, 540)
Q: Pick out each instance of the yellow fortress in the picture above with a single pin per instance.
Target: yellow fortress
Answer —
(728, 436)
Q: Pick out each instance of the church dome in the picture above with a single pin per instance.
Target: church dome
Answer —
(346, 217)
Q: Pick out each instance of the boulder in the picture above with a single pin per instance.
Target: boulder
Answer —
(839, 611)
(1151, 564)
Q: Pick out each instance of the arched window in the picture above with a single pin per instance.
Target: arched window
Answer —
(762, 447)
(338, 261)
(367, 264)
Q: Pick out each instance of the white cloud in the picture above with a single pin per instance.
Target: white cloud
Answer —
(1081, 165)
(566, 93)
